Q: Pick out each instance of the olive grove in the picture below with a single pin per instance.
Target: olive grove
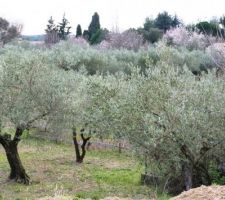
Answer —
(171, 119)
(150, 98)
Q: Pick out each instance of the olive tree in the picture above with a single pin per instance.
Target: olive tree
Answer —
(30, 90)
(195, 119)
(72, 117)
(183, 124)
(172, 119)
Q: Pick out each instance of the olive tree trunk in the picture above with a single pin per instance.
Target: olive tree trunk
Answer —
(195, 172)
(18, 172)
(80, 154)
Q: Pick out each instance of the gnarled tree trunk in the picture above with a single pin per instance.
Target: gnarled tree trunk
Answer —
(80, 155)
(18, 172)
(195, 172)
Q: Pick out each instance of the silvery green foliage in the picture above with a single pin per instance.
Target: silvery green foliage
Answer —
(71, 56)
(103, 92)
(67, 55)
(195, 60)
(157, 111)
(30, 87)
(160, 112)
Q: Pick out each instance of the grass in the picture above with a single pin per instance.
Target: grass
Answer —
(53, 172)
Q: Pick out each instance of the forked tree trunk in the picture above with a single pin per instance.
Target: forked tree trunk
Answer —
(18, 172)
(195, 173)
(80, 155)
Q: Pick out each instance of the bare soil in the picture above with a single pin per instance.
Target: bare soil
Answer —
(213, 192)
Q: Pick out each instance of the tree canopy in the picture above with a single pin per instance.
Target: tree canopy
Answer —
(7, 31)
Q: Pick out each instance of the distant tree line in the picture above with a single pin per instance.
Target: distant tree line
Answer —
(152, 30)
(95, 34)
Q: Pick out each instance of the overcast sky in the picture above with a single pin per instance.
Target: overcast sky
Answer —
(113, 13)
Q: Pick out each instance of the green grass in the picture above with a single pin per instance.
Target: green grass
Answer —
(117, 177)
(53, 171)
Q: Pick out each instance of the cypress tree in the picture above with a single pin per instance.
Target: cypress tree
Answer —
(78, 31)
(94, 26)
(86, 34)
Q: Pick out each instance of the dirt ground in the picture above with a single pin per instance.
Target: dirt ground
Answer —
(213, 192)
(70, 198)
(53, 172)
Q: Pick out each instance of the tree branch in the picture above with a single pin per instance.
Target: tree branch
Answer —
(84, 144)
(5, 139)
(36, 118)
(18, 134)
(20, 128)
(2, 140)
(83, 138)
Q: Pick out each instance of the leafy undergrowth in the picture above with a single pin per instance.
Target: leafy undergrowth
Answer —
(54, 172)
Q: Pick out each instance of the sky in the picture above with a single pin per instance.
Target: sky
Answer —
(114, 14)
